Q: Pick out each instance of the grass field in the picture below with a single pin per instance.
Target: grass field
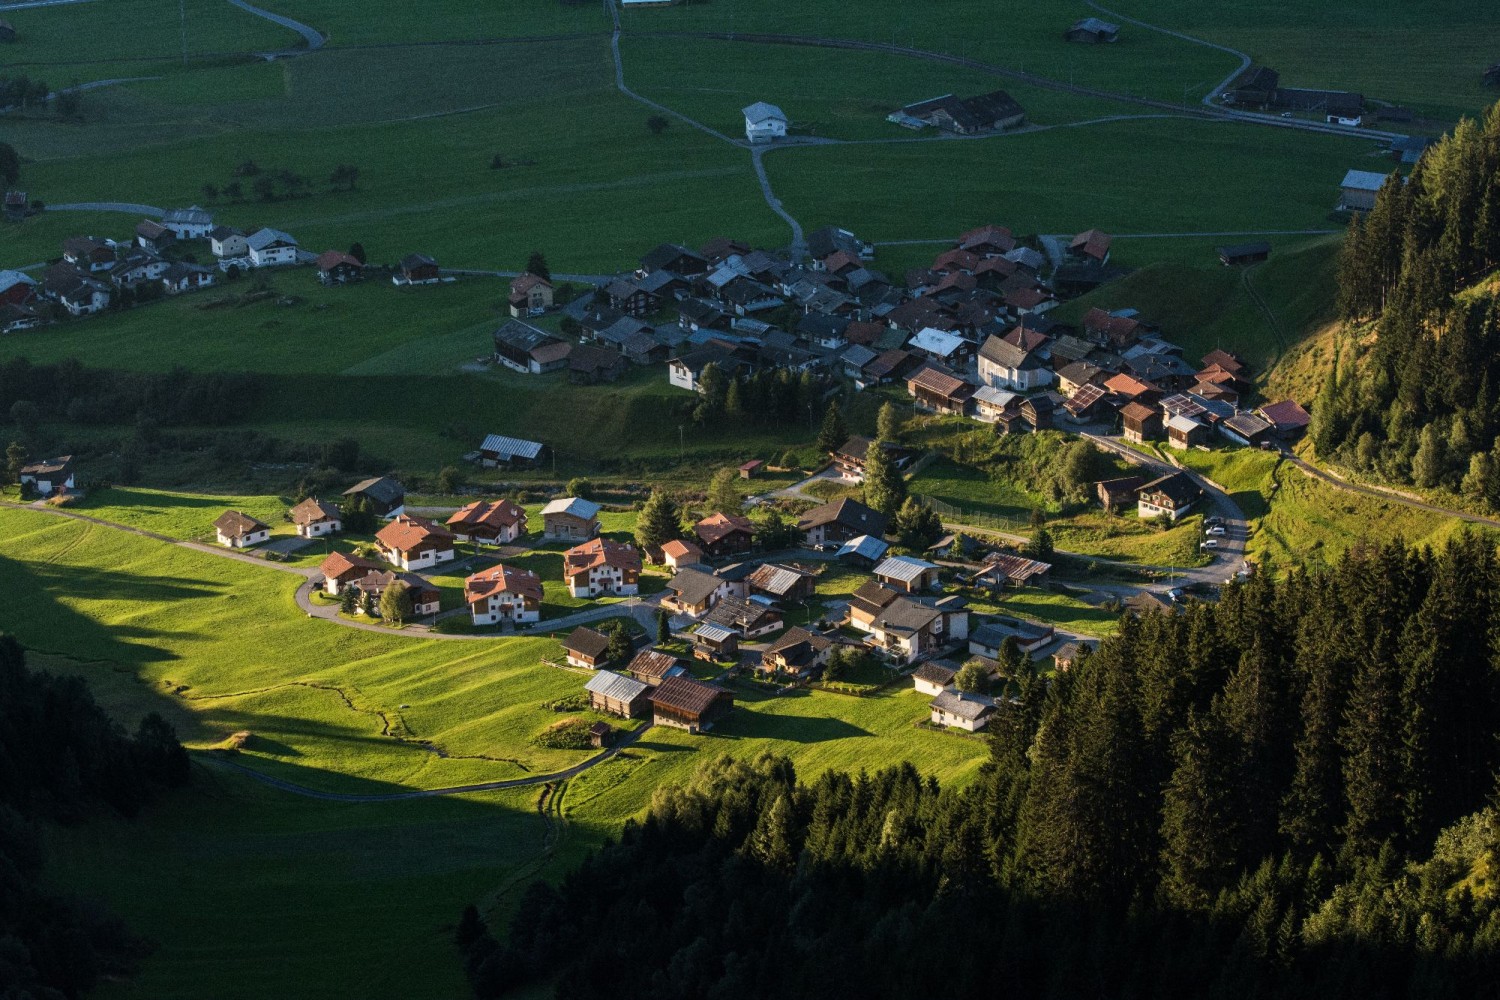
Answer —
(1202, 305)
(54, 42)
(188, 516)
(1427, 55)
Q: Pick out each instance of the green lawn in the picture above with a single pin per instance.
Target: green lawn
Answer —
(189, 516)
(976, 492)
(58, 43)
(1021, 36)
(1428, 55)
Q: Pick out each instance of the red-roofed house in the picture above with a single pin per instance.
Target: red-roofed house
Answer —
(530, 295)
(1090, 245)
(340, 569)
(940, 392)
(600, 566)
(678, 554)
(1287, 418)
(503, 593)
(411, 542)
(337, 268)
(485, 522)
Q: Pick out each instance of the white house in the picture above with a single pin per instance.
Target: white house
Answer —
(1003, 365)
(503, 593)
(188, 223)
(314, 518)
(49, 475)
(764, 122)
(962, 710)
(270, 247)
(239, 531)
(933, 678)
(227, 243)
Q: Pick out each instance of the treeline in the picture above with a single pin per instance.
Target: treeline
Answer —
(1248, 799)
(1420, 406)
(83, 395)
(770, 397)
(62, 758)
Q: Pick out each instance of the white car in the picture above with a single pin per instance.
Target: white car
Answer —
(1212, 543)
(1214, 531)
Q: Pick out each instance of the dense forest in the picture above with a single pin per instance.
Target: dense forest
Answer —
(1284, 794)
(61, 760)
(1416, 396)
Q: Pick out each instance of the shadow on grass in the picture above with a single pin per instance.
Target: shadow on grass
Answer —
(791, 728)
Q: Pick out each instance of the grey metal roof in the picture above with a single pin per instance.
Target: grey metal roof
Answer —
(608, 684)
(760, 111)
(262, 238)
(1363, 180)
(509, 447)
(578, 507)
(868, 546)
(714, 633)
(903, 568)
(194, 216)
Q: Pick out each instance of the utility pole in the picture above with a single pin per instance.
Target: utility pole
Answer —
(681, 445)
(182, 20)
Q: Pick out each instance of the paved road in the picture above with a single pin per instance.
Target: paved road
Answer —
(130, 208)
(39, 3)
(1380, 493)
(1230, 555)
(312, 36)
(218, 760)
(799, 244)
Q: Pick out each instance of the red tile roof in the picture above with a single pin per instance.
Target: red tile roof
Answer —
(717, 527)
(502, 579)
(408, 533)
(339, 564)
(1092, 243)
(600, 552)
(489, 513)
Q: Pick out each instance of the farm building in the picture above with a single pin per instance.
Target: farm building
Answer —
(240, 531)
(529, 350)
(1141, 422)
(503, 593)
(1004, 569)
(338, 268)
(715, 642)
(181, 276)
(1287, 418)
(764, 122)
(570, 519)
(486, 522)
(781, 583)
(412, 542)
(748, 618)
(513, 453)
(684, 703)
(724, 534)
(677, 554)
(939, 392)
(652, 667)
(1117, 493)
(585, 647)
(1358, 189)
(1090, 245)
(417, 269)
(154, 236)
(616, 694)
(994, 111)
(862, 552)
(315, 518)
(907, 574)
(1244, 253)
(1092, 31)
(49, 475)
(987, 639)
(386, 496)
(837, 522)
(1256, 87)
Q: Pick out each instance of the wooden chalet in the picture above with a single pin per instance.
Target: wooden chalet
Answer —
(617, 694)
(585, 647)
(684, 703)
(721, 535)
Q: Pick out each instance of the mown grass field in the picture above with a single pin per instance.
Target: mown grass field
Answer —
(55, 42)
(188, 516)
(1427, 55)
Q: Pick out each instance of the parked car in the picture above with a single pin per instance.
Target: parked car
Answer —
(1212, 522)
(1212, 543)
(1215, 531)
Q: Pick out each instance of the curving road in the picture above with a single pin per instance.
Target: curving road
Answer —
(312, 36)
(214, 757)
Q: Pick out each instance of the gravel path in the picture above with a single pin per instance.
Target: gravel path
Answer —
(312, 36)
(130, 208)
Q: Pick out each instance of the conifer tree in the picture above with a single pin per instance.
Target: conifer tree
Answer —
(1200, 828)
(772, 841)
(888, 422)
(834, 431)
(885, 487)
(658, 522)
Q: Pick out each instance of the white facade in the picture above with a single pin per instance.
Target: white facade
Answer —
(91, 301)
(273, 255)
(230, 246)
(928, 687)
(682, 377)
(318, 529)
(940, 717)
(1145, 509)
(427, 557)
(503, 607)
(999, 376)
(45, 485)
(764, 122)
(245, 541)
(602, 580)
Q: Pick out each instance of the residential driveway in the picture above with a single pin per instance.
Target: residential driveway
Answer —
(795, 490)
(288, 544)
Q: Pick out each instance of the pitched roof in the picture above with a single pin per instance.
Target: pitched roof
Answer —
(774, 579)
(1091, 243)
(1138, 412)
(48, 466)
(903, 568)
(939, 342)
(407, 532)
(679, 551)
(940, 383)
(1007, 355)
(502, 579)
(490, 513)
(1363, 180)
(1127, 385)
(1015, 567)
(714, 632)
(382, 488)
(1288, 414)
(652, 663)
(376, 582)
(586, 641)
(337, 564)
(1177, 487)
(719, 526)
(598, 552)
(263, 238)
(866, 546)
(509, 447)
(233, 524)
(965, 705)
(686, 695)
(850, 513)
(1224, 360)
(934, 673)
(618, 687)
(313, 510)
(799, 645)
(329, 259)
(694, 586)
(760, 111)
(584, 510)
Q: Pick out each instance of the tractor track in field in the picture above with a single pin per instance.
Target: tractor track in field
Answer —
(625, 740)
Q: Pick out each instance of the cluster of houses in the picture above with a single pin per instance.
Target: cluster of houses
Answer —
(161, 258)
